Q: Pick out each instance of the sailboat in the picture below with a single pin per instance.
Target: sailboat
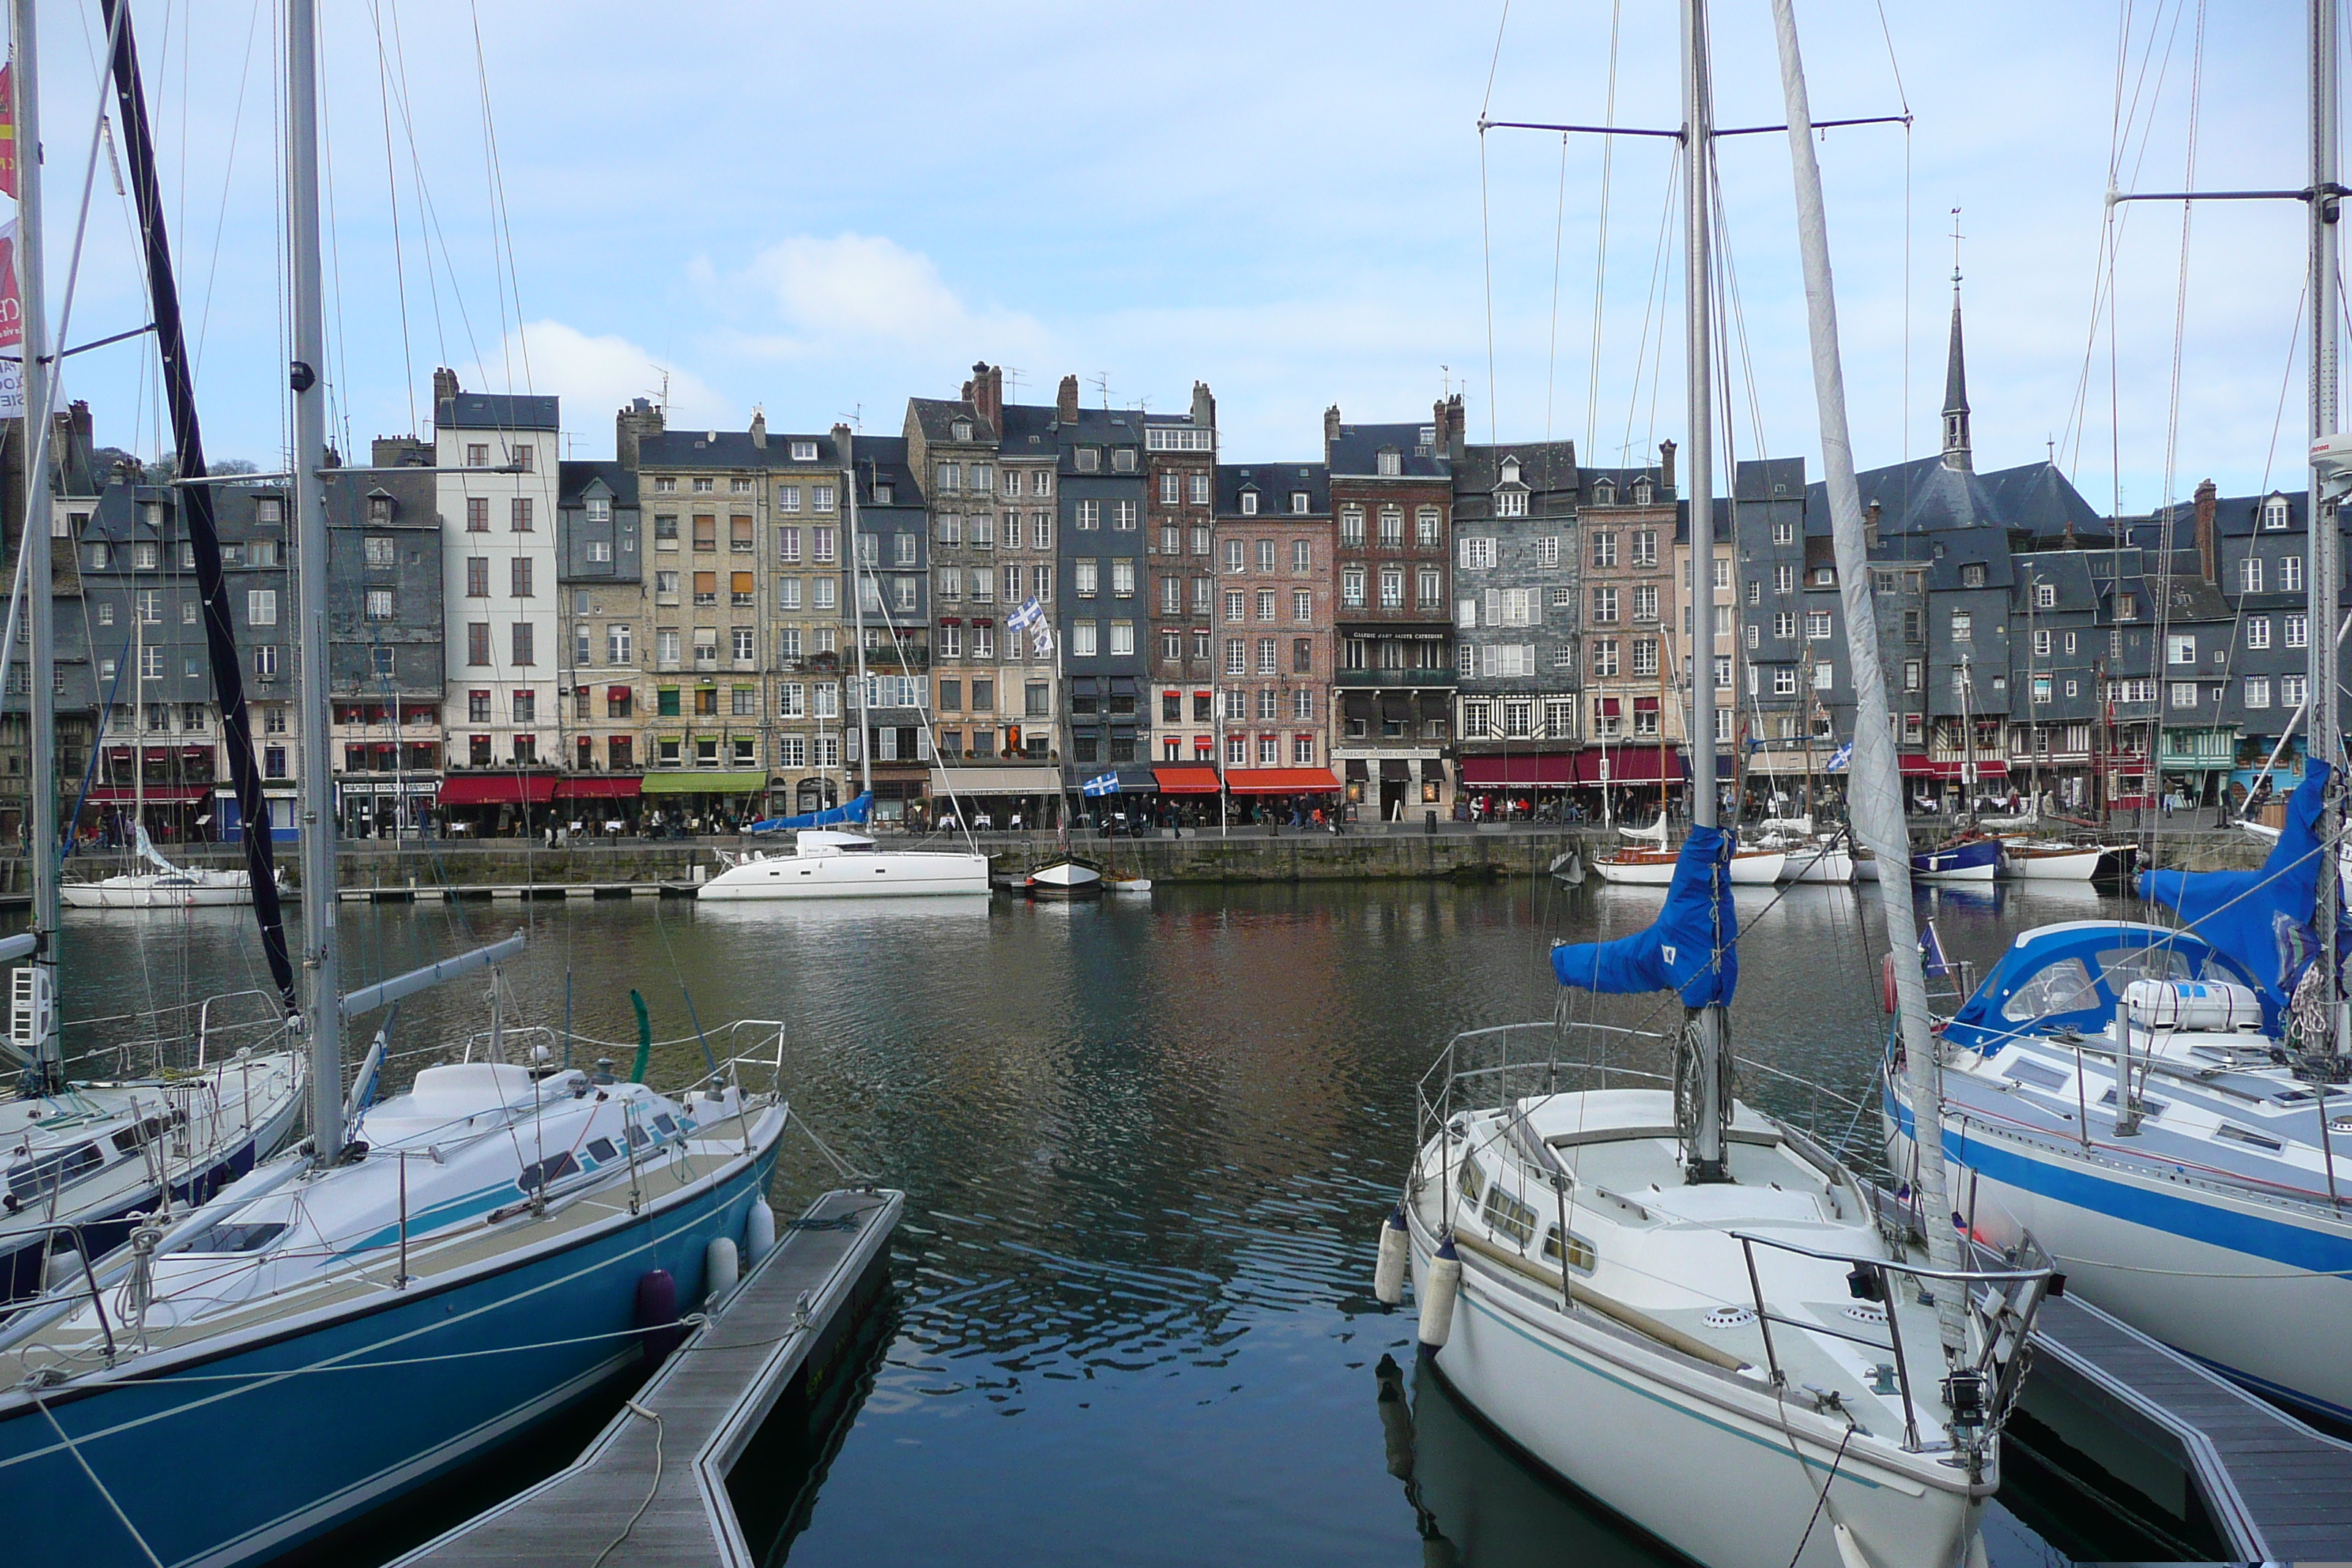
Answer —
(828, 860)
(2163, 1105)
(1758, 866)
(1682, 1305)
(1062, 875)
(162, 886)
(459, 1260)
(163, 1124)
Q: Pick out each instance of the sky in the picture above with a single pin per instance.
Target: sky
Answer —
(819, 211)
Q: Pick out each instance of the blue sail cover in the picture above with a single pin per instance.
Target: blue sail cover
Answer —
(857, 810)
(1678, 951)
(2263, 919)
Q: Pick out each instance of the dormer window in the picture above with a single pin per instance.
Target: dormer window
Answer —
(379, 509)
(2274, 513)
(1604, 494)
(1249, 503)
(960, 430)
(883, 494)
(1089, 459)
(1642, 492)
(1511, 503)
(1122, 460)
(1298, 502)
(600, 508)
(1391, 462)
(1510, 470)
(803, 451)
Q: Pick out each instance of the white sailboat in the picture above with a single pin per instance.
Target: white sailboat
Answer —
(1682, 1306)
(164, 886)
(832, 863)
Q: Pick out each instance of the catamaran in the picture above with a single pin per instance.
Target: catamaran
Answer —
(1685, 1307)
(443, 1267)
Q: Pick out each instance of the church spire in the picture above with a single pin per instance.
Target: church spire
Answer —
(1956, 373)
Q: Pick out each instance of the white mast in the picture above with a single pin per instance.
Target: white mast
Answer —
(1874, 798)
(41, 715)
(1710, 1090)
(315, 815)
(2323, 537)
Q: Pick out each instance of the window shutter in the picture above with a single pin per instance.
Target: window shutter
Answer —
(1494, 606)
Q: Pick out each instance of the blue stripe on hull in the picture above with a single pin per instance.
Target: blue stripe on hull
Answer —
(229, 1464)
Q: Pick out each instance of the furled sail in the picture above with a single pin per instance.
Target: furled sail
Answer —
(857, 810)
(2263, 919)
(1689, 948)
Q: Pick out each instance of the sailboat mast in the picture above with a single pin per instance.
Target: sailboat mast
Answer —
(316, 814)
(41, 713)
(841, 440)
(1709, 1085)
(1875, 795)
(2325, 538)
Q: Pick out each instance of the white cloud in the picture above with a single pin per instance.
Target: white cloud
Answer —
(857, 287)
(594, 377)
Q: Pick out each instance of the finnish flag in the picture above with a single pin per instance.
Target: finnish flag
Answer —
(1102, 783)
(1840, 759)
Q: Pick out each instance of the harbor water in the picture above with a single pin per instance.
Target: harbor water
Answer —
(1145, 1142)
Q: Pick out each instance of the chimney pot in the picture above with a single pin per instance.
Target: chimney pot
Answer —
(1066, 403)
(1667, 467)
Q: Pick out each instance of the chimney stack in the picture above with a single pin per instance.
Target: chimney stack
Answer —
(1667, 467)
(1870, 516)
(986, 395)
(760, 428)
(1204, 406)
(842, 453)
(444, 387)
(1331, 430)
(2209, 550)
(641, 418)
(1065, 402)
(1454, 430)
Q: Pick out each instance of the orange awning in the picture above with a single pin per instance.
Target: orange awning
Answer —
(1281, 781)
(1186, 781)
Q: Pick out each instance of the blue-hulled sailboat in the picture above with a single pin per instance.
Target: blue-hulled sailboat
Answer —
(425, 1278)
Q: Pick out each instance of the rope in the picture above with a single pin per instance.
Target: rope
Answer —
(144, 1550)
(1815, 1517)
(655, 1417)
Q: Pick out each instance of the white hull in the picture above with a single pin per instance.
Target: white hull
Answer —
(1063, 879)
(1126, 884)
(2074, 866)
(1749, 869)
(913, 874)
(1983, 873)
(1655, 1441)
(159, 890)
(1832, 865)
(2267, 1324)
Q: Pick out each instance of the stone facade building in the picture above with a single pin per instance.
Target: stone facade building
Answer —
(385, 618)
(1633, 649)
(1515, 588)
(1103, 610)
(1181, 518)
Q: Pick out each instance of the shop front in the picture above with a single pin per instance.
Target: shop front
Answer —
(683, 803)
(1952, 785)
(1621, 783)
(1282, 794)
(229, 822)
(598, 806)
(174, 814)
(1516, 787)
(495, 804)
(992, 799)
(385, 808)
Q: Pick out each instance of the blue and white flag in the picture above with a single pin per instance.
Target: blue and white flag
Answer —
(1041, 642)
(1028, 614)
(1840, 759)
(1102, 783)
(1931, 952)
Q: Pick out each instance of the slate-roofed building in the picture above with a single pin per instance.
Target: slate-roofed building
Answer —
(600, 535)
(1783, 584)
(1515, 613)
(385, 677)
(1103, 613)
(1392, 496)
(2055, 647)
(892, 579)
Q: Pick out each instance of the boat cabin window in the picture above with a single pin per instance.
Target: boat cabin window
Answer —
(539, 1172)
(147, 1131)
(2123, 965)
(245, 1237)
(1472, 1182)
(1581, 1256)
(2062, 987)
(668, 1128)
(35, 1177)
(637, 1138)
(2151, 1108)
(2252, 1140)
(602, 1149)
(1505, 1215)
(2036, 1074)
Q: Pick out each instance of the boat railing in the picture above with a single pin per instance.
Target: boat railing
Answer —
(1999, 1304)
(182, 1036)
(732, 1047)
(1504, 1066)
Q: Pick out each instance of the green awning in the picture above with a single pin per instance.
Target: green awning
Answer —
(706, 781)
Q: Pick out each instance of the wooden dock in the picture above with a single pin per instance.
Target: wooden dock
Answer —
(525, 891)
(2272, 1488)
(652, 1488)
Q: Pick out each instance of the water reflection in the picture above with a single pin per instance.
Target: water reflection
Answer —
(1146, 1144)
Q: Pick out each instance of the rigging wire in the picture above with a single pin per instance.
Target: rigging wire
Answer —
(1601, 238)
(501, 219)
(391, 195)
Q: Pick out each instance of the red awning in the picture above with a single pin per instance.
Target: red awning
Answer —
(1281, 781)
(600, 787)
(1645, 705)
(1186, 781)
(1607, 707)
(1627, 765)
(157, 794)
(1554, 768)
(617, 693)
(498, 789)
(1916, 766)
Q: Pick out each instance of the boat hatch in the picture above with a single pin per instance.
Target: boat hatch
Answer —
(245, 1237)
(2264, 1142)
(2037, 1075)
(2149, 1109)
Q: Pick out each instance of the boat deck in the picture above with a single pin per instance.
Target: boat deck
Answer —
(2274, 1489)
(652, 1488)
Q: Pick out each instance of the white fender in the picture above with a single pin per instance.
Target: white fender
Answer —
(64, 1269)
(1437, 1297)
(1396, 1252)
(759, 1231)
(718, 1267)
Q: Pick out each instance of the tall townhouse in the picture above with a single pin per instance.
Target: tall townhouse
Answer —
(992, 492)
(893, 585)
(2054, 653)
(496, 492)
(1632, 648)
(1785, 679)
(601, 536)
(809, 634)
(1709, 615)
(1180, 516)
(76, 486)
(384, 675)
(2260, 543)
(1392, 496)
(1515, 583)
(1273, 544)
(1103, 611)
